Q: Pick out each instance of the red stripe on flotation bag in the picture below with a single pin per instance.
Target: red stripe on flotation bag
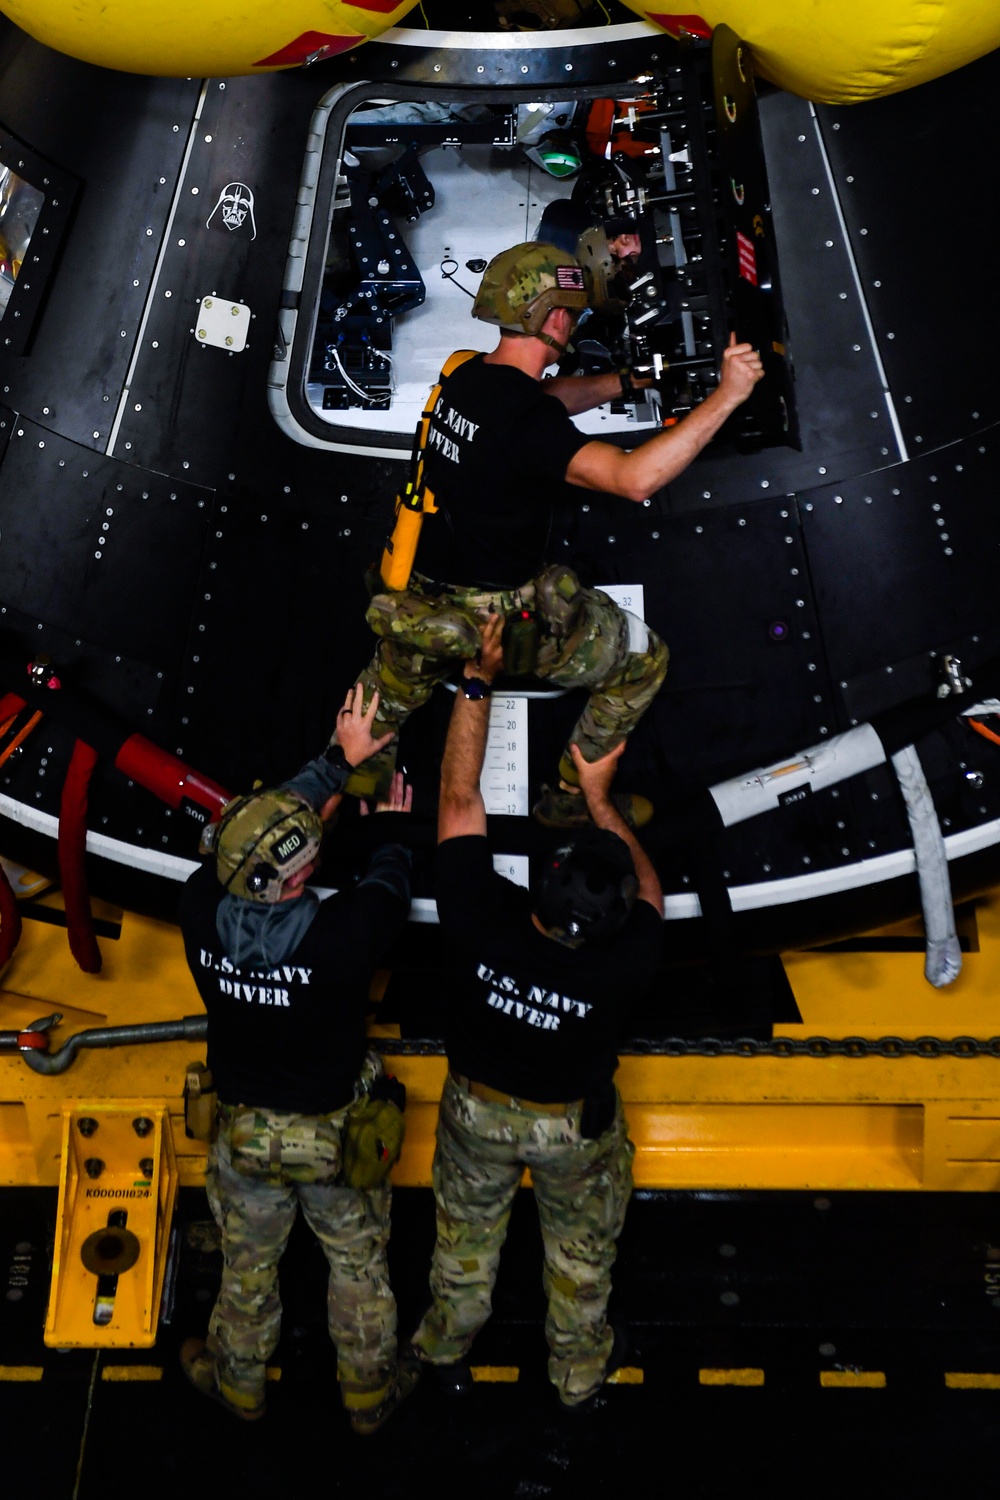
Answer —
(313, 44)
(694, 25)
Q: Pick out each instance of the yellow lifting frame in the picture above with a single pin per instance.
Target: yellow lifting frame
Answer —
(716, 1123)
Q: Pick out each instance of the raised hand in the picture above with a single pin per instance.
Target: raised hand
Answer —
(399, 798)
(354, 727)
(741, 370)
(489, 659)
(596, 776)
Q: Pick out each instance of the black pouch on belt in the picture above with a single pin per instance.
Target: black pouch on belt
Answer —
(598, 1112)
(520, 641)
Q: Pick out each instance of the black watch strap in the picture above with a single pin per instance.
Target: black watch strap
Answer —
(475, 688)
(334, 756)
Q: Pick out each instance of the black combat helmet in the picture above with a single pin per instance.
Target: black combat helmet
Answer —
(586, 888)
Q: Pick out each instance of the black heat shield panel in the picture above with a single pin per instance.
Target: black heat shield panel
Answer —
(278, 628)
(903, 563)
(728, 592)
(179, 380)
(926, 256)
(104, 124)
(104, 552)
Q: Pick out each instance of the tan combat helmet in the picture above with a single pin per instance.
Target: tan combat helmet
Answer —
(261, 840)
(599, 269)
(521, 286)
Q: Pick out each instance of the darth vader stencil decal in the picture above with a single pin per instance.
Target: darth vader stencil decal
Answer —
(234, 206)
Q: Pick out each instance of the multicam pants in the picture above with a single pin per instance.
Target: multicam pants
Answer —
(255, 1218)
(582, 1188)
(587, 641)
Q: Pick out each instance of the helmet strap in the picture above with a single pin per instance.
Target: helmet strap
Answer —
(546, 338)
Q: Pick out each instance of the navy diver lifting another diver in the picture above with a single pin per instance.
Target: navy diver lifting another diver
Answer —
(498, 446)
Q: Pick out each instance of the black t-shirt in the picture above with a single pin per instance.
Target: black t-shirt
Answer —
(291, 1037)
(497, 452)
(527, 1015)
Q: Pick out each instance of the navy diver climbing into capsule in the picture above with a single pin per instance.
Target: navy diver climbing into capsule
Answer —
(496, 447)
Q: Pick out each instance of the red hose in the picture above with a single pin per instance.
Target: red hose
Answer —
(72, 849)
(10, 704)
(167, 777)
(10, 917)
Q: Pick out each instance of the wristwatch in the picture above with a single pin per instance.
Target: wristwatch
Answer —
(475, 688)
(334, 756)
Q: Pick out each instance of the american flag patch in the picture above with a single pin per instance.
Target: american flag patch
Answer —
(569, 278)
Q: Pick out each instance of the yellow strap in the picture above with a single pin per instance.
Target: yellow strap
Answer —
(450, 365)
(453, 361)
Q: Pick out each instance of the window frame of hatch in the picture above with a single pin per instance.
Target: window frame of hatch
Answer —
(320, 183)
(59, 190)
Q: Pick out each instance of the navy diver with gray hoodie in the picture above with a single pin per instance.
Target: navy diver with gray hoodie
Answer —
(286, 984)
(285, 980)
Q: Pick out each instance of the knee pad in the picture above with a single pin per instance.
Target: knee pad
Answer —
(559, 598)
(426, 625)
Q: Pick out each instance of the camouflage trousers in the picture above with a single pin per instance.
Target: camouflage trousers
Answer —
(582, 1188)
(255, 1217)
(586, 642)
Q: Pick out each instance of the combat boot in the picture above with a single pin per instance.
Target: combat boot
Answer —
(592, 1403)
(454, 1378)
(568, 810)
(202, 1370)
(368, 1419)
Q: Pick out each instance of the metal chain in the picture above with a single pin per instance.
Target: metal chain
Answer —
(819, 1046)
(746, 1046)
